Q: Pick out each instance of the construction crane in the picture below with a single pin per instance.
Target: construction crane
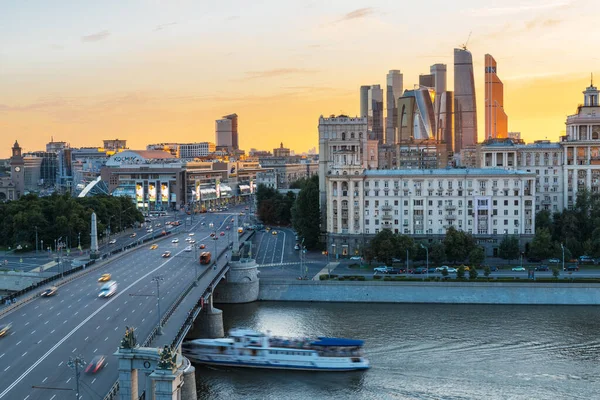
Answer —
(464, 46)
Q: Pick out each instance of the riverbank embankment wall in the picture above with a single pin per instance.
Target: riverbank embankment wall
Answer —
(431, 292)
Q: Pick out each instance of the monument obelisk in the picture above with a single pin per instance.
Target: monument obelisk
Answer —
(94, 253)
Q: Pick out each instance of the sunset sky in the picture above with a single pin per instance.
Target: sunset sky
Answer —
(163, 70)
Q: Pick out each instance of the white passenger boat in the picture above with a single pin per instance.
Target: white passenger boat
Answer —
(248, 348)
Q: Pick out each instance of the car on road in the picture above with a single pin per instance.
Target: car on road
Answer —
(420, 270)
(297, 247)
(553, 260)
(431, 270)
(586, 260)
(188, 249)
(133, 235)
(212, 234)
(227, 228)
(572, 267)
(222, 233)
(108, 289)
(175, 240)
(96, 364)
(154, 247)
(518, 269)
(4, 329)
(202, 246)
(273, 232)
(355, 258)
(112, 241)
(192, 241)
(542, 268)
(51, 291)
(104, 278)
(191, 234)
(382, 269)
(394, 271)
(166, 254)
(157, 225)
(439, 269)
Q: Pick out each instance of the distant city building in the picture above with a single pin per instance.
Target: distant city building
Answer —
(185, 150)
(514, 135)
(48, 168)
(444, 115)
(224, 133)
(55, 147)
(416, 115)
(394, 90)
(496, 121)
(375, 113)
(427, 80)
(259, 153)
(289, 169)
(364, 100)
(465, 108)
(267, 178)
(17, 170)
(438, 71)
(114, 145)
(281, 151)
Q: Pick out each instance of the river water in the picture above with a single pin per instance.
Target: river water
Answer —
(424, 351)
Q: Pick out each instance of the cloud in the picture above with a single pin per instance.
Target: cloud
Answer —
(39, 105)
(356, 14)
(542, 23)
(531, 6)
(271, 73)
(163, 26)
(56, 46)
(95, 37)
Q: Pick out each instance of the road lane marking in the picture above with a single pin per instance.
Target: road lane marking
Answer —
(45, 379)
(24, 354)
(39, 315)
(143, 319)
(61, 363)
(86, 338)
(2, 355)
(68, 380)
(125, 319)
(33, 332)
(52, 398)
(26, 397)
(76, 313)
(94, 380)
(72, 332)
(57, 314)
(27, 323)
(65, 321)
(74, 350)
(46, 323)
(95, 350)
(6, 369)
(53, 330)
(107, 318)
(133, 310)
(18, 343)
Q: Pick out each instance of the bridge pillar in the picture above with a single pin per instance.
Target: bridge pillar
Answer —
(166, 384)
(209, 323)
(188, 391)
(128, 377)
(241, 283)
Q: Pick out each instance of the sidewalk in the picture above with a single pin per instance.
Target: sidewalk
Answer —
(326, 271)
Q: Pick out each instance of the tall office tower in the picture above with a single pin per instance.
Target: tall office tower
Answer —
(496, 121)
(465, 109)
(416, 116)
(439, 77)
(234, 130)
(427, 80)
(444, 114)
(223, 133)
(376, 113)
(364, 100)
(393, 92)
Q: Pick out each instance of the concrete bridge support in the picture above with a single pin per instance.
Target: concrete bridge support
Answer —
(241, 283)
(188, 391)
(208, 324)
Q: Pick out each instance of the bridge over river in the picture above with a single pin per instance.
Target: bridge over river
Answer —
(48, 331)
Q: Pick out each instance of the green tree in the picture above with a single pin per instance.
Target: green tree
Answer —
(445, 272)
(541, 246)
(477, 256)
(473, 273)
(509, 248)
(555, 272)
(383, 246)
(543, 219)
(487, 271)
(458, 245)
(460, 272)
(305, 214)
(437, 253)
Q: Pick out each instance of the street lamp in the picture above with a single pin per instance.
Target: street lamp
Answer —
(75, 364)
(427, 258)
(563, 256)
(157, 279)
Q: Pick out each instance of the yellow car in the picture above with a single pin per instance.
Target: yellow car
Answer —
(274, 233)
(104, 278)
(4, 329)
(154, 247)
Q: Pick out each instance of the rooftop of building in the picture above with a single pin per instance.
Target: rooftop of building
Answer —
(519, 143)
(446, 172)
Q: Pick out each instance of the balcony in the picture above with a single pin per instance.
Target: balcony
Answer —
(418, 217)
(386, 208)
(386, 217)
(546, 202)
(450, 208)
(450, 217)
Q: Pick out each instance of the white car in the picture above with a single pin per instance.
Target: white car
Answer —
(357, 258)
(188, 249)
(554, 260)
(445, 267)
(113, 241)
(175, 240)
(381, 269)
(191, 234)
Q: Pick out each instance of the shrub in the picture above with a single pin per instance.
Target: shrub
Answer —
(387, 278)
(473, 273)
(377, 277)
(360, 278)
(487, 271)
(460, 272)
(323, 277)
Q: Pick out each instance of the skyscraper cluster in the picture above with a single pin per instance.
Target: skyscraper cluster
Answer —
(429, 112)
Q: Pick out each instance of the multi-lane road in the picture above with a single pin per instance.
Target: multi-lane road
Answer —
(46, 332)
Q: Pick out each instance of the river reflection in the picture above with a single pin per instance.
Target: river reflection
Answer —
(420, 351)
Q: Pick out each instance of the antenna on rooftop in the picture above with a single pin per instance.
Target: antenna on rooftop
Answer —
(464, 46)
